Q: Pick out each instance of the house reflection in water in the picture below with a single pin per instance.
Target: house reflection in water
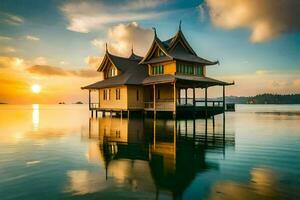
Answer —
(164, 155)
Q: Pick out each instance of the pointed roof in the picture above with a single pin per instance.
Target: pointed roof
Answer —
(175, 48)
(132, 72)
(156, 43)
(133, 56)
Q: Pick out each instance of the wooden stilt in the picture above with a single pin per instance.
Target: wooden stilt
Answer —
(206, 102)
(224, 98)
(194, 128)
(154, 100)
(89, 99)
(175, 100)
(194, 102)
(185, 95)
(205, 131)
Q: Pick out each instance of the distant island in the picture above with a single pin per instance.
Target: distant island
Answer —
(2, 103)
(78, 102)
(265, 99)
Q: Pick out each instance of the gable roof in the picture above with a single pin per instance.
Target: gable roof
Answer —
(133, 56)
(179, 37)
(132, 72)
(175, 48)
(157, 43)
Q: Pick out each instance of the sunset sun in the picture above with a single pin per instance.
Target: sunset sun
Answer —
(36, 88)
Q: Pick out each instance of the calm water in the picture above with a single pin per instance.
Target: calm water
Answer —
(58, 152)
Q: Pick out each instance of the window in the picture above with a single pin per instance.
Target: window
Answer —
(159, 53)
(185, 69)
(118, 94)
(106, 94)
(112, 71)
(199, 70)
(137, 95)
(157, 69)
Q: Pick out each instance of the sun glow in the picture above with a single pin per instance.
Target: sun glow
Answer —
(36, 88)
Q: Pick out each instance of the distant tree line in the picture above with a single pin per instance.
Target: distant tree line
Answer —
(265, 99)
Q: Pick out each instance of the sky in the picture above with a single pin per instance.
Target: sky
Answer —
(58, 44)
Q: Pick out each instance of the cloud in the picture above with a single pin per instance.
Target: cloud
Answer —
(47, 70)
(4, 38)
(10, 19)
(296, 83)
(266, 19)
(262, 72)
(32, 38)
(11, 62)
(87, 16)
(8, 49)
(40, 61)
(63, 62)
(93, 61)
(121, 37)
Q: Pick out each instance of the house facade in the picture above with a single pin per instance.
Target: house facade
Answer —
(156, 82)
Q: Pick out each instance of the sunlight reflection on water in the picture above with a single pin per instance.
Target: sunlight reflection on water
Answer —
(60, 151)
(35, 116)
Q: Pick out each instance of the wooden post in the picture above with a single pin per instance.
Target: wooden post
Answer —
(154, 131)
(206, 102)
(175, 102)
(194, 129)
(205, 131)
(223, 97)
(154, 100)
(96, 113)
(194, 97)
(89, 99)
(174, 139)
(179, 96)
(185, 95)
(224, 135)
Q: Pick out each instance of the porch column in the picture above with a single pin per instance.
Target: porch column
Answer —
(223, 97)
(154, 99)
(206, 101)
(89, 99)
(194, 97)
(175, 102)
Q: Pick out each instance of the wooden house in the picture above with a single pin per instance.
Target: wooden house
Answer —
(154, 83)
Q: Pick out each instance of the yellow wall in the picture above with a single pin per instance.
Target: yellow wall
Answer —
(128, 98)
(169, 67)
(133, 103)
(112, 103)
(166, 91)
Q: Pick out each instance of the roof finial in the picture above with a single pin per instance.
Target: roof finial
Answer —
(106, 49)
(179, 25)
(132, 48)
(154, 29)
